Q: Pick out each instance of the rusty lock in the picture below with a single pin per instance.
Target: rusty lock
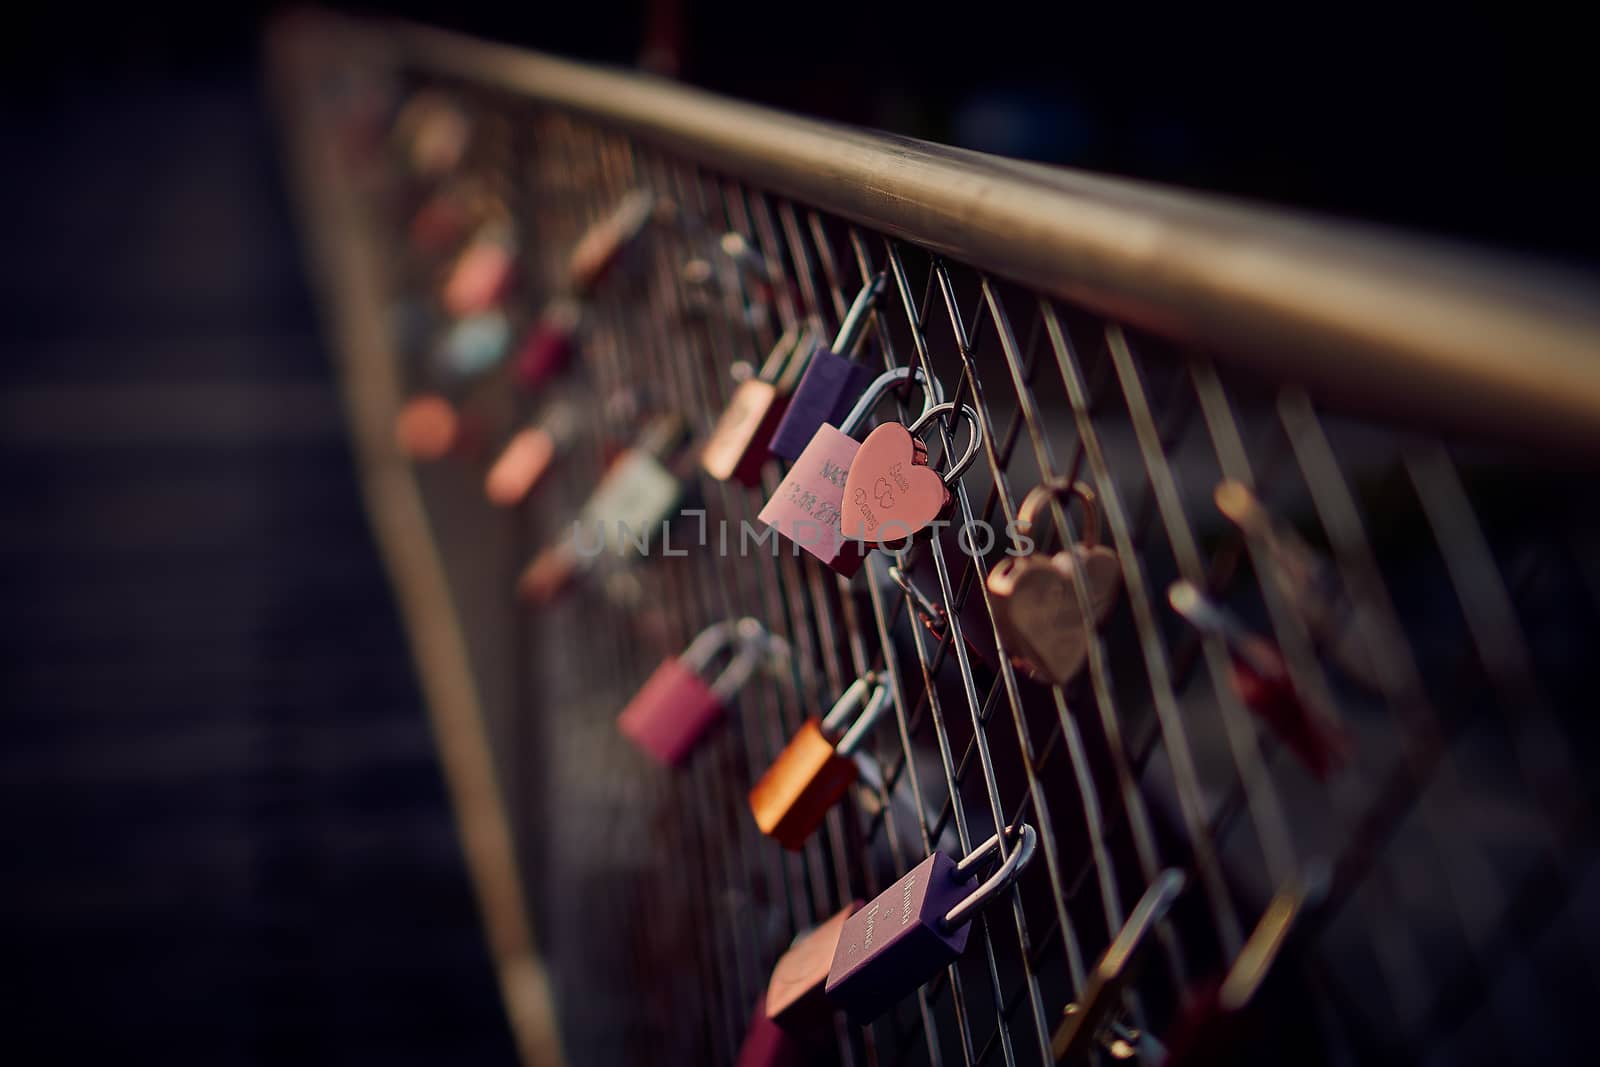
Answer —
(815, 769)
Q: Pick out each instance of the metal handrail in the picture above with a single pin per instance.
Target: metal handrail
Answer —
(1368, 318)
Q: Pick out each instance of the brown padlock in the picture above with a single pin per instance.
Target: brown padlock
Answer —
(812, 773)
(795, 1000)
(1040, 601)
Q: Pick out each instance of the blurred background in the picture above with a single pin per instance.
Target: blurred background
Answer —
(225, 830)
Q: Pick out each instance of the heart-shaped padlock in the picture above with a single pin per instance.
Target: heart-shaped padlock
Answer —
(890, 491)
(1047, 607)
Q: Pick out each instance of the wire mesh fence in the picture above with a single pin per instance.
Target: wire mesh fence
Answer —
(1339, 685)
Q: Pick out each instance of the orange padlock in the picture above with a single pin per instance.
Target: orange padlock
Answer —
(812, 773)
(737, 447)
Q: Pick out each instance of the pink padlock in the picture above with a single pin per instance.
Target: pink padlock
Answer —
(806, 509)
(676, 707)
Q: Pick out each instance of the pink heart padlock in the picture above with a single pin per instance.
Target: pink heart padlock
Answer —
(890, 492)
(808, 506)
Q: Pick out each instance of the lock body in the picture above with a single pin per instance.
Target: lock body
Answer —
(808, 777)
(631, 501)
(766, 1044)
(898, 942)
(890, 492)
(1039, 614)
(795, 997)
(480, 277)
(739, 444)
(547, 349)
(806, 507)
(671, 713)
(829, 388)
(474, 345)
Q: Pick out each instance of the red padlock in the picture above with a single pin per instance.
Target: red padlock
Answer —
(806, 509)
(1261, 678)
(675, 709)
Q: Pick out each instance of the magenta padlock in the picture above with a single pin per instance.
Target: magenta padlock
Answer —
(918, 926)
(831, 383)
(676, 707)
(806, 507)
(766, 1044)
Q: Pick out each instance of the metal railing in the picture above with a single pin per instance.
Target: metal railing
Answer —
(1418, 416)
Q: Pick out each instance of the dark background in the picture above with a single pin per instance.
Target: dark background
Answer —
(225, 834)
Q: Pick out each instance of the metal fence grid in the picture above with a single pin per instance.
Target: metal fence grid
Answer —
(1459, 924)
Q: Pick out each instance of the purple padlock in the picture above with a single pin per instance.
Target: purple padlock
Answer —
(917, 926)
(676, 708)
(831, 383)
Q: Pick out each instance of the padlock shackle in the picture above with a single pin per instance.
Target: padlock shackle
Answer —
(880, 385)
(959, 467)
(882, 695)
(1040, 496)
(782, 352)
(753, 643)
(997, 882)
(855, 320)
(1085, 1018)
(1213, 620)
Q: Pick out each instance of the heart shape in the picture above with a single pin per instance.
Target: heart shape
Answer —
(1039, 613)
(888, 494)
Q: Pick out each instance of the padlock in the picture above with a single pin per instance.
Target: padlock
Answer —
(1085, 1021)
(795, 998)
(1306, 579)
(529, 454)
(918, 926)
(676, 708)
(427, 427)
(766, 1044)
(832, 383)
(473, 346)
(637, 494)
(976, 630)
(815, 769)
(806, 507)
(1044, 620)
(482, 272)
(739, 444)
(547, 348)
(1208, 1032)
(602, 244)
(1262, 680)
(890, 492)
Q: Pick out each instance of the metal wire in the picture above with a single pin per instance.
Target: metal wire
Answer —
(1459, 832)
